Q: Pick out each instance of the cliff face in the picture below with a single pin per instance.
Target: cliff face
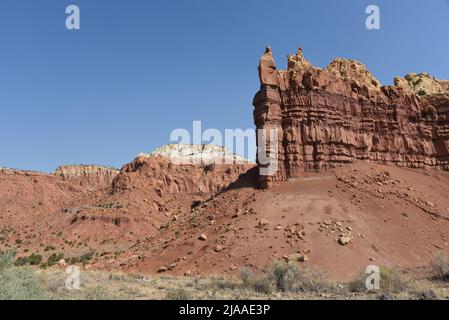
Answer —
(332, 116)
(176, 169)
(88, 175)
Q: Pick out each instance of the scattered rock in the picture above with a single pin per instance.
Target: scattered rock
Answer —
(188, 273)
(172, 266)
(162, 269)
(344, 240)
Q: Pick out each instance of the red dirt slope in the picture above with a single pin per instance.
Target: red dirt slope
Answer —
(391, 216)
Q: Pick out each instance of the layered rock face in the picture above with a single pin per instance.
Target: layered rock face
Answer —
(340, 114)
(89, 175)
(176, 169)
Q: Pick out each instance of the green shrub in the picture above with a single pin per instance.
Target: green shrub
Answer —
(85, 258)
(54, 259)
(34, 259)
(49, 248)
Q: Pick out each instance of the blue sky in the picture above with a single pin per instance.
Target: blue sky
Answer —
(138, 69)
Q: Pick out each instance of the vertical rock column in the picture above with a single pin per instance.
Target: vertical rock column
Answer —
(268, 117)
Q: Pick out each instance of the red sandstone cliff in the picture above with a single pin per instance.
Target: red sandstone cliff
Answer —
(332, 116)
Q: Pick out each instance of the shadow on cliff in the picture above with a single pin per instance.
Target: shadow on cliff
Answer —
(245, 180)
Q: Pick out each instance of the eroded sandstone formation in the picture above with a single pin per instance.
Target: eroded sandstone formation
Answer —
(89, 175)
(201, 154)
(175, 169)
(340, 114)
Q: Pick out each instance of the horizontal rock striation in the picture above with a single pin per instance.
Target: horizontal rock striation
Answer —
(162, 175)
(340, 114)
(89, 175)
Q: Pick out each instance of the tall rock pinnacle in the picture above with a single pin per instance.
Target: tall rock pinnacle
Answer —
(267, 69)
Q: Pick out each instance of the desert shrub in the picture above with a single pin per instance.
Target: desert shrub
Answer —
(97, 293)
(177, 294)
(85, 258)
(49, 248)
(290, 278)
(6, 259)
(440, 267)
(263, 283)
(54, 259)
(223, 284)
(391, 281)
(18, 283)
(307, 280)
(286, 277)
(34, 259)
(73, 260)
(55, 283)
(358, 283)
(21, 261)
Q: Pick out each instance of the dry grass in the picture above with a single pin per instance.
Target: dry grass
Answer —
(392, 282)
(440, 267)
(279, 281)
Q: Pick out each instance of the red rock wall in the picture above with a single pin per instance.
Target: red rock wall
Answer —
(341, 114)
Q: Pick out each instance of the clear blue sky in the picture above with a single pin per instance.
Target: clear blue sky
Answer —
(138, 69)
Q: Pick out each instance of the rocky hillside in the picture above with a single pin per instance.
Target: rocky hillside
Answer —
(340, 114)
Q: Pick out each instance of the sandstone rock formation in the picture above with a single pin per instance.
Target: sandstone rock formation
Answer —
(196, 154)
(89, 175)
(341, 114)
(176, 169)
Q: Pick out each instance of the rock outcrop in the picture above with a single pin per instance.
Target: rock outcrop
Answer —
(176, 169)
(201, 154)
(340, 114)
(88, 175)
